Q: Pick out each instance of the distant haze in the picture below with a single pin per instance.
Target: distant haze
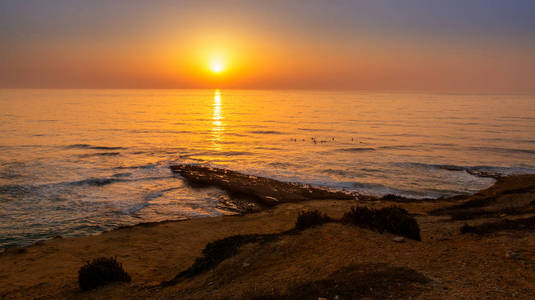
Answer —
(483, 46)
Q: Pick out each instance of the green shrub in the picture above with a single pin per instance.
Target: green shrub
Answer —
(101, 271)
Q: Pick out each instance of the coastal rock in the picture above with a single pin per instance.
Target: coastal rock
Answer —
(399, 239)
(267, 191)
(510, 195)
(512, 254)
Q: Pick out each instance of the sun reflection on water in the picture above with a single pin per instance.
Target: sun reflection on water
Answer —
(217, 124)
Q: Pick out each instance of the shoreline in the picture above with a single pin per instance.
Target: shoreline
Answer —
(155, 252)
(243, 202)
(229, 207)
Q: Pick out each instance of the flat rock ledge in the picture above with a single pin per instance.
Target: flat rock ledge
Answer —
(267, 191)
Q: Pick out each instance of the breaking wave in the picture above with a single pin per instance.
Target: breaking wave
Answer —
(87, 146)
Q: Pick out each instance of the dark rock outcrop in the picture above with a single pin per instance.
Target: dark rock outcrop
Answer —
(268, 191)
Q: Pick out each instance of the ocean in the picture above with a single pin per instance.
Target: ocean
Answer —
(79, 162)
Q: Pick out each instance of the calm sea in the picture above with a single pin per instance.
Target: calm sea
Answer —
(78, 162)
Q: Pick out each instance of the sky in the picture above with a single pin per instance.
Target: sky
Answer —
(484, 46)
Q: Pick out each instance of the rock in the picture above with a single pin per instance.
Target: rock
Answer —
(269, 192)
(399, 239)
(271, 199)
(511, 254)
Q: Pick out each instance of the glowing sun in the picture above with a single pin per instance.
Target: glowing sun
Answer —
(217, 67)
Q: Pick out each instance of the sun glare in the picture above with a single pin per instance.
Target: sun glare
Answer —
(217, 67)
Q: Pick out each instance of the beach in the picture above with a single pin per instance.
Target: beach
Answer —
(490, 262)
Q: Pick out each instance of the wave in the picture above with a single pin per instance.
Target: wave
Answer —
(150, 196)
(135, 208)
(45, 121)
(154, 195)
(14, 189)
(161, 131)
(230, 153)
(268, 148)
(335, 172)
(310, 129)
(120, 175)
(281, 164)
(215, 153)
(95, 181)
(265, 132)
(235, 134)
(397, 147)
(434, 166)
(11, 170)
(376, 189)
(100, 154)
(504, 150)
(87, 146)
(439, 144)
(146, 166)
(109, 180)
(479, 171)
(356, 149)
(402, 135)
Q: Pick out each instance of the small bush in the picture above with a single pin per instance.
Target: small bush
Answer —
(392, 219)
(101, 271)
(307, 219)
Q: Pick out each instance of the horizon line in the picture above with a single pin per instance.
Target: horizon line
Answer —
(399, 91)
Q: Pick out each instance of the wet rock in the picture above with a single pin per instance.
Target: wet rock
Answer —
(267, 191)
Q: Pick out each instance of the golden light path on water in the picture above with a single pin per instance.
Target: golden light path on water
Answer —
(218, 127)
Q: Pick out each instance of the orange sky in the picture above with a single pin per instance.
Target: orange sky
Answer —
(343, 45)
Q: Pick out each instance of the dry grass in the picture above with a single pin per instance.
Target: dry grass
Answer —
(308, 219)
(377, 281)
(101, 271)
(392, 219)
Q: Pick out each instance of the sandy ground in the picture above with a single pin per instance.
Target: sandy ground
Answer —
(498, 265)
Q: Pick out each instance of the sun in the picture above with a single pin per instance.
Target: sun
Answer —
(217, 67)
